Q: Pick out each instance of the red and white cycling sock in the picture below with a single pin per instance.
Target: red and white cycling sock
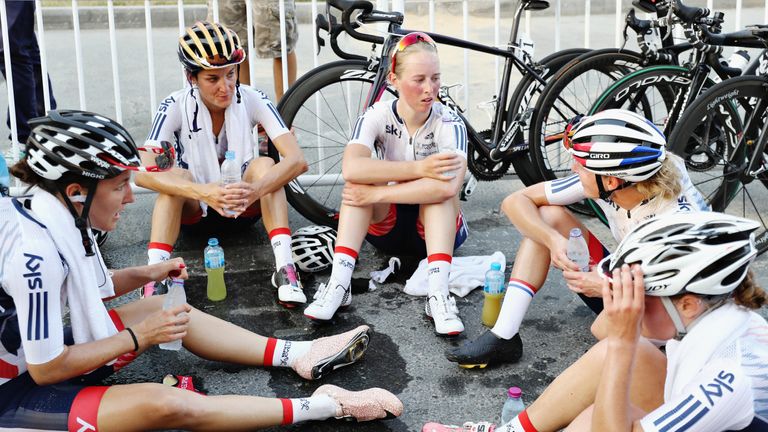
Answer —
(284, 353)
(516, 301)
(320, 407)
(344, 260)
(158, 252)
(521, 423)
(280, 238)
(438, 271)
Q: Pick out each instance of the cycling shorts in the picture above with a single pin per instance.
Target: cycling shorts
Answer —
(214, 222)
(402, 233)
(71, 405)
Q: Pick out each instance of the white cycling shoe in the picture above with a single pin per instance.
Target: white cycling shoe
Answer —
(443, 311)
(328, 299)
(289, 289)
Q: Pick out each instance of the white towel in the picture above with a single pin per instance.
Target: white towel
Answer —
(201, 152)
(687, 357)
(467, 273)
(88, 315)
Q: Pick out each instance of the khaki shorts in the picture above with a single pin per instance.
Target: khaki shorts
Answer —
(266, 24)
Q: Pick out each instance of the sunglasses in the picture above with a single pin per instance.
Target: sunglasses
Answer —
(164, 157)
(569, 130)
(408, 40)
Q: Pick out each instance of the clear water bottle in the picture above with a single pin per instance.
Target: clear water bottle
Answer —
(176, 296)
(5, 178)
(214, 267)
(738, 59)
(493, 293)
(513, 405)
(230, 171)
(577, 250)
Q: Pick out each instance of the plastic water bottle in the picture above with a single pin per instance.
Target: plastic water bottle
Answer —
(230, 171)
(176, 296)
(214, 266)
(5, 178)
(577, 250)
(738, 59)
(513, 405)
(493, 292)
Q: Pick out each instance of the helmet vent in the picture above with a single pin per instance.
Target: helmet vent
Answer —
(723, 262)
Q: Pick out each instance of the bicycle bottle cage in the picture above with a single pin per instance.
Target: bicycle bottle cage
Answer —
(535, 5)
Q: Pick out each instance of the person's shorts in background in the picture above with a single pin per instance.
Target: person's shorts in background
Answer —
(266, 24)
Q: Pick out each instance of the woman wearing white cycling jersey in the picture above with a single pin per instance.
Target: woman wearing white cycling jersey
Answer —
(215, 115)
(620, 161)
(684, 280)
(51, 374)
(405, 199)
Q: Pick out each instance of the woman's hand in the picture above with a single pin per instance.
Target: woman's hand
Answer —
(358, 195)
(437, 165)
(624, 301)
(174, 268)
(558, 247)
(243, 193)
(588, 283)
(225, 202)
(163, 326)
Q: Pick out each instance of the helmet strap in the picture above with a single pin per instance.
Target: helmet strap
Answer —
(675, 316)
(81, 220)
(605, 194)
(237, 84)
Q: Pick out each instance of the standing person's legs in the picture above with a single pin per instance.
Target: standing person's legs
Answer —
(24, 53)
(277, 72)
(268, 42)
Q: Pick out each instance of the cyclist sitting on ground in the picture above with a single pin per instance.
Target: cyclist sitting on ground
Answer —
(685, 280)
(51, 375)
(406, 198)
(620, 161)
(205, 121)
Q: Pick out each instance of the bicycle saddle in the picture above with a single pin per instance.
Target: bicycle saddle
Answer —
(535, 4)
(345, 4)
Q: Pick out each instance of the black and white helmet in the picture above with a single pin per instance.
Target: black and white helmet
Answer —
(208, 45)
(79, 142)
(617, 143)
(707, 253)
(312, 247)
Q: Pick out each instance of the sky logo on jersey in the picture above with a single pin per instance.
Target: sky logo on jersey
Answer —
(392, 130)
(37, 321)
(692, 409)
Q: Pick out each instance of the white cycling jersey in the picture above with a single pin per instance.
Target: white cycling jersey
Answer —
(175, 121)
(727, 392)
(382, 130)
(569, 190)
(32, 274)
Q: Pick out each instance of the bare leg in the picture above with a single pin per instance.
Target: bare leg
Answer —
(207, 336)
(440, 225)
(354, 222)
(277, 72)
(168, 212)
(155, 406)
(584, 420)
(574, 390)
(274, 206)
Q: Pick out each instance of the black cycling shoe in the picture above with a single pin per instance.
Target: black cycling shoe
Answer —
(487, 349)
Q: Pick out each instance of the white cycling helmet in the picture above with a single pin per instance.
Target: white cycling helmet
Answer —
(705, 253)
(312, 247)
(617, 143)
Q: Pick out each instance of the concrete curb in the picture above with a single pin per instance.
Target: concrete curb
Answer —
(60, 18)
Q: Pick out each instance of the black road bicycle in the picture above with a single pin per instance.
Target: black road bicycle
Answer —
(324, 104)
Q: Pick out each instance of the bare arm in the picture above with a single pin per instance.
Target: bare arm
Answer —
(421, 191)
(358, 167)
(176, 182)
(128, 279)
(76, 360)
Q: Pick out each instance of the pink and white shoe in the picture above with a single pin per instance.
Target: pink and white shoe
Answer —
(370, 404)
(467, 427)
(330, 353)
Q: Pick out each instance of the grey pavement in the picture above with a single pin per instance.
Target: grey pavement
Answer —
(405, 356)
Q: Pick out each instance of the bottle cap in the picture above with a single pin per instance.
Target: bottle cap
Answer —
(575, 232)
(213, 241)
(230, 155)
(515, 392)
(177, 281)
(495, 266)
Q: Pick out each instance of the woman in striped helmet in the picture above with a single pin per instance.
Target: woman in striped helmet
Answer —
(213, 118)
(619, 160)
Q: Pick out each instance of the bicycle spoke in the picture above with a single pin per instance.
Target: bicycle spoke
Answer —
(754, 206)
(325, 122)
(318, 179)
(330, 189)
(340, 143)
(333, 113)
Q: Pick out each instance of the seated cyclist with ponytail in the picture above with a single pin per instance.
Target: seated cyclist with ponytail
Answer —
(620, 161)
(204, 121)
(684, 280)
(52, 372)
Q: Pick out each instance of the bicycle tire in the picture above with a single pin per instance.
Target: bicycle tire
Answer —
(327, 89)
(526, 93)
(602, 68)
(715, 144)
